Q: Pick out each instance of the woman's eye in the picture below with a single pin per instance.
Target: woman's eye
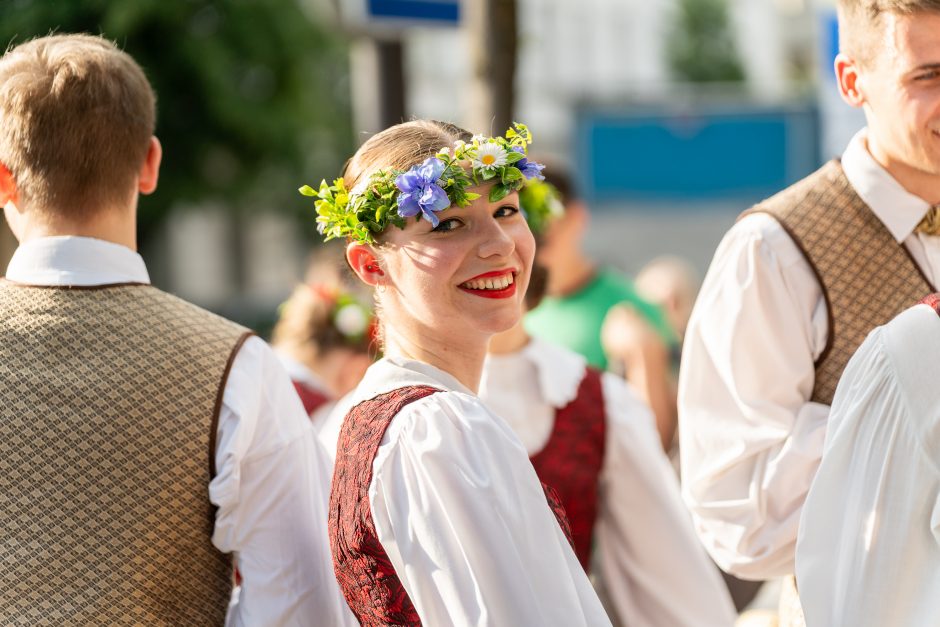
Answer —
(447, 225)
(505, 211)
(927, 76)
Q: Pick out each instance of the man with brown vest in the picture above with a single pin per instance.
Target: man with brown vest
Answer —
(797, 284)
(141, 438)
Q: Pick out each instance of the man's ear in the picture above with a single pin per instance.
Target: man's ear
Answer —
(364, 262)
(847, 75)
(150, 170)
(7, 186)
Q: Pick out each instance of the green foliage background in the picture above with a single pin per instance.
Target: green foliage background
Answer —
(253, 97)
(701, 48)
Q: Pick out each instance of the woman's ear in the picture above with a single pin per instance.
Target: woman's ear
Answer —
(365, 263)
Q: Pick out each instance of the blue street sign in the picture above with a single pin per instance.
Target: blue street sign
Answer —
(415, 10)
(707, 153)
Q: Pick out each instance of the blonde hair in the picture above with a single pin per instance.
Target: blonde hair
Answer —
(306, 328)
(77, 117)
(399, 147)
(859, 22)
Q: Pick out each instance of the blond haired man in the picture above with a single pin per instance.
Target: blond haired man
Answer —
(141, 438)
(798, 283)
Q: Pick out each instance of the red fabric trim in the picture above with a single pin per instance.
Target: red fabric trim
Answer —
(572, 459)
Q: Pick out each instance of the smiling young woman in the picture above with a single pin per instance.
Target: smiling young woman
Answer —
(436, 515)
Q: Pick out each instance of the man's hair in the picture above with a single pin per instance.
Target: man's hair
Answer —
(76, 118)
(860, 21)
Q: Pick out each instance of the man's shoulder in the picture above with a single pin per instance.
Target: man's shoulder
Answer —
(829, 176)
(185, 311)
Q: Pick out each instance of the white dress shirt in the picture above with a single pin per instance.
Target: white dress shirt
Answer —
(653, 568)
(270, 467)
(750, 439)
(463, 517)
(868, 553)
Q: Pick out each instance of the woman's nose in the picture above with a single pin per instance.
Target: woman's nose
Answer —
(496, 241)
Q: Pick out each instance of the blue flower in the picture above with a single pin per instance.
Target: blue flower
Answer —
(529, 169)
(420, 192)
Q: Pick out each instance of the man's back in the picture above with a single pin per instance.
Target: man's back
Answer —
(107, 433)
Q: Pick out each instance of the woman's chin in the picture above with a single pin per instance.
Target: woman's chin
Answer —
(502, 321)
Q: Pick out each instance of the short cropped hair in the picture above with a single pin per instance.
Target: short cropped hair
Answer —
(859, 22)
(76, 118)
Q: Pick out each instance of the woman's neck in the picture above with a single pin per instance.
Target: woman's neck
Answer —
(458, 357)
(511, 341)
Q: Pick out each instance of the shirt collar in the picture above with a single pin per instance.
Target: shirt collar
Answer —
(70, 260)
(560, 371)
(391, 373)
(898, 209)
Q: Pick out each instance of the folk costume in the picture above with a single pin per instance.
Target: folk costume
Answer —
(143, 439)
(594, 441)
(437, 516)
(868, 552)
(792, 291)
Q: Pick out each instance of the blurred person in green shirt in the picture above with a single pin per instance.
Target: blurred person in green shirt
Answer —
(638, 338)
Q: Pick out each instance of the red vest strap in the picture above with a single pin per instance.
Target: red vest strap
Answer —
(572, 459)
(366, 576)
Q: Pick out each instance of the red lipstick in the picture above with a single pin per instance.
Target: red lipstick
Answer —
(505, 292)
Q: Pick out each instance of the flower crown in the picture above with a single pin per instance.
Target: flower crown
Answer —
(540, 202)
(348, 315)
(391, 196)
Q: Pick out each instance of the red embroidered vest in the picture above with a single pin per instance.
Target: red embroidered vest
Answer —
(571, 461)
(365, 574)
(933, 300)
(311, 398)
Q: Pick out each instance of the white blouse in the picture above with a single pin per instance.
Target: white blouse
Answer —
(868, 553)
(459, 510)
(651, 564)
(750, 439)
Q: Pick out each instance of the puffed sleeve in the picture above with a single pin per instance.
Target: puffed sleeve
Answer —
(652, 564)
(464, 520)
(750, 439)
(271, 489)
(869, 549)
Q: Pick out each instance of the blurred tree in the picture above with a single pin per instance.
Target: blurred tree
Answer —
(253, 97)
(492, 33)
(701, 48)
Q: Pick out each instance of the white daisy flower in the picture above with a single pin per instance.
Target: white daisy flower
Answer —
(351, 320)
(489, 157)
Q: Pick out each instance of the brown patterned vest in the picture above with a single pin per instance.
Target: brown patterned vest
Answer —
(867, 278)
(109, 398)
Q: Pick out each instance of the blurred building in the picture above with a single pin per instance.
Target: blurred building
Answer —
(580, 58)
(578, 62)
